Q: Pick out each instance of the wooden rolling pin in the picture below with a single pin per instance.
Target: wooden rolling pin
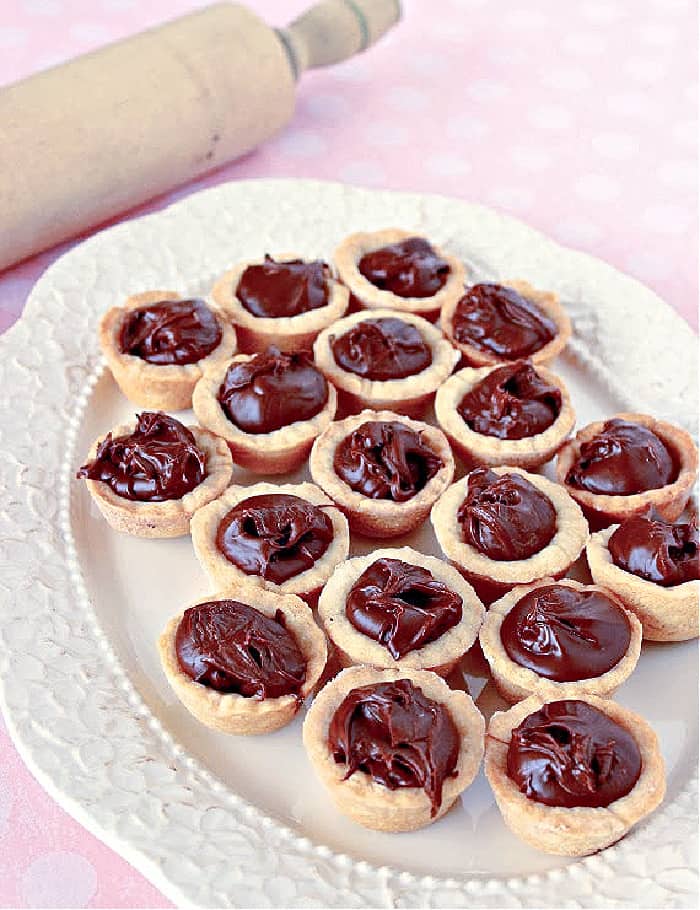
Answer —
(91, 138)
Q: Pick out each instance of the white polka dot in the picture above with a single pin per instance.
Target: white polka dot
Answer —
(676, 6)
(551, 117)
(667, 218)
(43, 7)
(427, 63)
(484, 90)
(517, 198)
(89, 32)
(59, 880)
(629, 104)
(655, 34)
(596, 188)
(603, 13)
(577, 230)
(679, 174)
(46, 61)
(406, 98)
(356, 71)
(571, 80)
(685, 133)
(386, 134)
(325, 105)
(447, 165)
(366, 173)
(617, 146)
(301, 144)
(651, 264)
(11, 36)
(508, 54)
(584, 44)
(443, 30)
(645, 70)
(466, 127)
(526, 18)
(531, 159)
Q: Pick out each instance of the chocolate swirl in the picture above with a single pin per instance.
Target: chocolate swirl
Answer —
(386, 460)
(396, 735)
(272, 390)
(170, 332)
(566, 634)
(230, 647)
(274, 535)
(656, 550)
(382, 349)
(401, 606)
(496, 319)
(571, 754)
(283, 289)
(505, 517)
(410, 268)
(157, 462)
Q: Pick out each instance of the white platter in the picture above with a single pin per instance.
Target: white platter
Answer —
(224, 821)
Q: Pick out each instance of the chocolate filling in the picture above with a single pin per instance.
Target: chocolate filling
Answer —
(410, 268)
(170, 332)
(282, 289)
(505, 517)
(232, 648)
(656, 550)
(498, 320)
(512, 402)
(272, 390)
(385, 460)
(623, 459)
(398, 736)
(158, 461)
(381, 349)
(571, 754)
(401, 606)
(566, 634)
(274, 535)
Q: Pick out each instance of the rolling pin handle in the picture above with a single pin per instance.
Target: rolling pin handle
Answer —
(334, 30)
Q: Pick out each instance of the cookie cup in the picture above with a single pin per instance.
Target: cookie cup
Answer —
(546, 301)
(228, 577)
(371, 804)
(582, 830)
(233, 713)
(166, 387)
(288, 333)
(354, 648)
(366, 295)
(277, 452)
(476, 448)
(379, 518)
(493, 578)
(515, 682)
(666, 614)
(668, 502)
(170, 518)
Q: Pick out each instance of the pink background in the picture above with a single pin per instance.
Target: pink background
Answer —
(580, 118)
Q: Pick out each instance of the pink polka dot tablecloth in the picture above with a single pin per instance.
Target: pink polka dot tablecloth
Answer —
(580, 118)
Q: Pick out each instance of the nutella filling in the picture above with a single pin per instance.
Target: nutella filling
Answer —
(410, 268)
(498, 320)
(274, 535)
(512, 402)
(401, 606)
(158, 461)
(282, 289)
(382, 349)
(232, 648)
(623, 459)
(566, 634)
(385, 460)
(505, 517)
(170, 332)
(272, 390)
(398, 736)
(656, 550)
(571, 754)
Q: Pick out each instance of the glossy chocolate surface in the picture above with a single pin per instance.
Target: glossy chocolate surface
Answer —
(282, 289)
(505, 517)
(656, 550)
(496, 319)
(274, 535)
(565, 634)
(381, 349)
(158, 461)
(385, 460)
(232, 648)
(571, 754)
(272, 390)
(512, 402)
(623, 459)
(401, 606)
(170, 332)
(410, 268)
(398, 736)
